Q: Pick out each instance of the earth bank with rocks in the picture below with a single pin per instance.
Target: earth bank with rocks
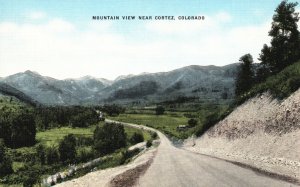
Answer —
(263, 132)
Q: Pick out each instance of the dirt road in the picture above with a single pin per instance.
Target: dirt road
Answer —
(177, 167)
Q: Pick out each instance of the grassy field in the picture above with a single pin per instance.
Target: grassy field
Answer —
(53, 136)
(167, 123)
(129, 131)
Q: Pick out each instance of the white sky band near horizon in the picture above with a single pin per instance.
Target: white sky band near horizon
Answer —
(64, 44)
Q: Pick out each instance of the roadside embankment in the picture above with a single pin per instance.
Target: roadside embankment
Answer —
(263, 133)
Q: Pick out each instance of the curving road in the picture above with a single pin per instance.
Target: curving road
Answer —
(177, 167)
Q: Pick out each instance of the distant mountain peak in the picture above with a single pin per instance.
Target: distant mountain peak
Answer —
(124, 77)
(29, 72)
(87, 77)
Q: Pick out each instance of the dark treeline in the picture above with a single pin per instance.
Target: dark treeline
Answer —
(18, 127)
(111, 110)
(57, 116)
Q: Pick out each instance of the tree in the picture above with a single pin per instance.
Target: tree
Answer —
(52, 155)
(32, 175)
(159, 110)
(23, 129)
(113, 110)
(284, 49)
(67, 148)
(5, 127)
(262, 73)
(17, 128)
(109, 138)
(244, 79)
(136, 138)
(84, 119)
(154, 135)
(192, 122)
(5, 162)
(41, 153)
(149, 143)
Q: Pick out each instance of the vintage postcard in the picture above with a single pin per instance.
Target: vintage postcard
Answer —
(153, 93)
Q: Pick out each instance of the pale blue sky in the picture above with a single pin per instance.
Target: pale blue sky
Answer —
(245, 12)
(44, 35)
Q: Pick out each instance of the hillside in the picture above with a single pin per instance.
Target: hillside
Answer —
(262, 132)
(51, 91)
(10, 103)
(203, 82)
(11, 91)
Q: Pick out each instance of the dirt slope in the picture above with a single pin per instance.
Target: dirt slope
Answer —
(263, 132)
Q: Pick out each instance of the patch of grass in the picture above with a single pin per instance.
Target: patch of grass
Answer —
(53, 136)
(167, 123)
(130, 131)
(170, 120)
(17, 166)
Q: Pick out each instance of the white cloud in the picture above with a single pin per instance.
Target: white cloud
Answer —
(223, 17)
(58, 48)
(58, 25)
(213, 42)
(36, 15)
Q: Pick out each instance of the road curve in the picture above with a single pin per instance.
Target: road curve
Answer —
(177, 167)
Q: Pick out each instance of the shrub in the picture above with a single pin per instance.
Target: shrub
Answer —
(280, 85)
(160, 110)
(154, 135)
(294, 84)
(192, 122)
(84, 119)
(149, 143)
(5, 162)
(41, 153)
(136, 138)
(84, 155)
(67, 148)
(84, 141)
(109, 138)
(52, 155)
(126, 155)
(209, 121)
(31, 175)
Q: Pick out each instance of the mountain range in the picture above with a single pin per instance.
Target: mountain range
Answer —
(202, 82)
